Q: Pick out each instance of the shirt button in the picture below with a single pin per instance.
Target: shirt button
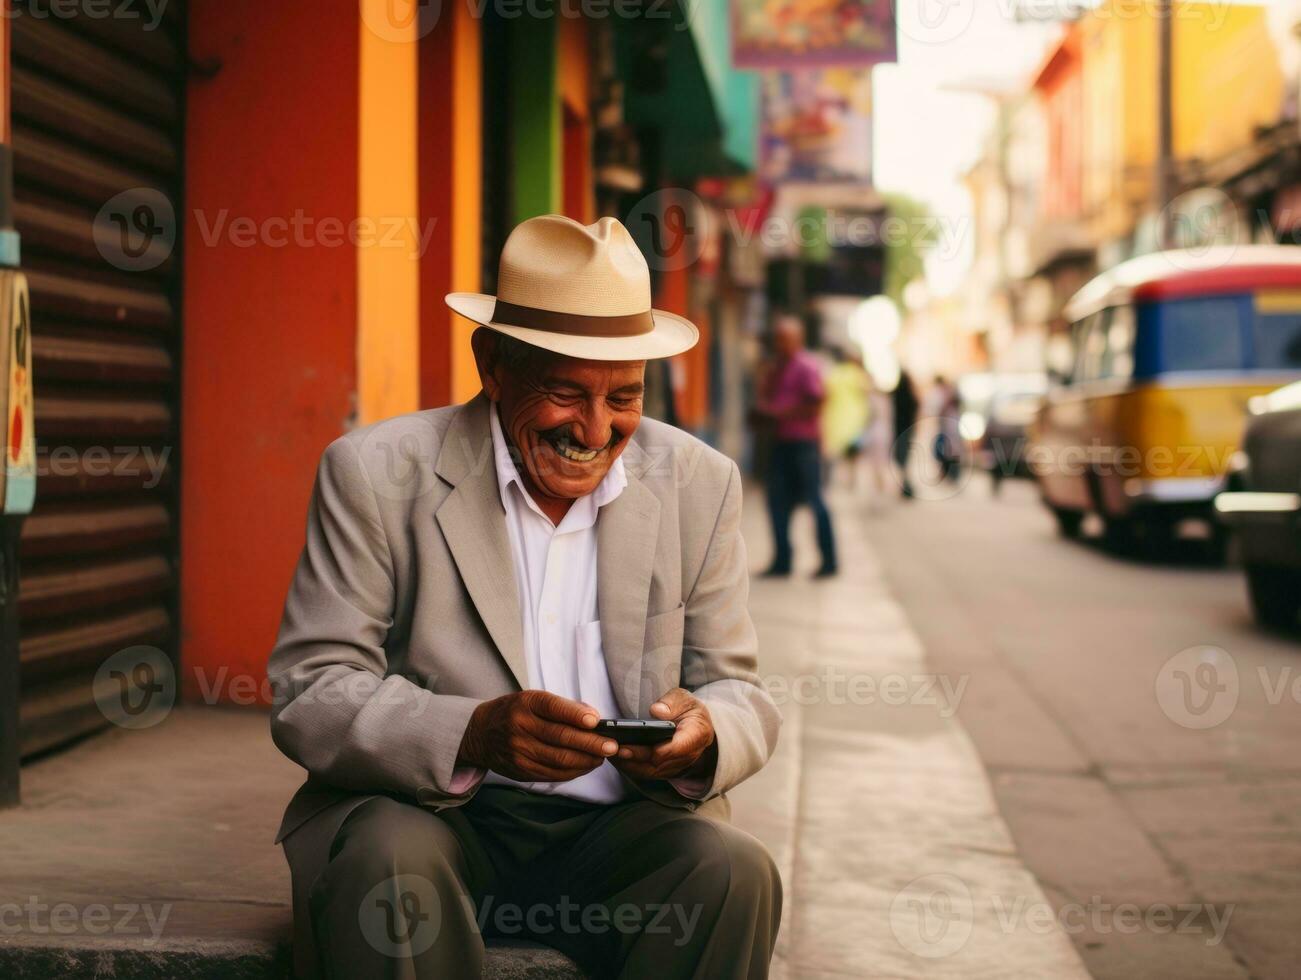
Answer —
(551, 619)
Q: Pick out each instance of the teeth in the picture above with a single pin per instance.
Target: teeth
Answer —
(563, 447)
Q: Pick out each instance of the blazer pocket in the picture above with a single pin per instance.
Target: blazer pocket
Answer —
(664, 632)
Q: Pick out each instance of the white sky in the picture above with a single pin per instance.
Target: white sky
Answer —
(930, 121)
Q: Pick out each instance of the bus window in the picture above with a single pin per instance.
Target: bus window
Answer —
(1091, 341)
(1278, 341)
(1118, 362)
(1204, 334)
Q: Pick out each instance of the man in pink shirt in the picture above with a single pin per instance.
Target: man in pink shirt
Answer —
(792, 399)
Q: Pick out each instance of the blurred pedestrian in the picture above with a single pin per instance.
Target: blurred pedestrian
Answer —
(879, 436)
(948, 436)
(905, 421)
(845, 413)
(791, 400)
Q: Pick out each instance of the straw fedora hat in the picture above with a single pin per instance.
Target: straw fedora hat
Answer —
(579, 290)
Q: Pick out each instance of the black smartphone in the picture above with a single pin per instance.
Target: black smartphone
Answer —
(635, 731)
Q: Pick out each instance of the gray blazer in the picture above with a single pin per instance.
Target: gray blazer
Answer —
(403, 613)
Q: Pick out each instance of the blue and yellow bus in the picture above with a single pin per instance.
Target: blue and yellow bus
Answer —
(1168, 349)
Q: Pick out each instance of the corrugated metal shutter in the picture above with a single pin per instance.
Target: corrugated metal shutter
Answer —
(97, 111)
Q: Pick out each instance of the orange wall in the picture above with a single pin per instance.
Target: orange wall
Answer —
(270, 332)
(578, 198)
(1061, 86)
(673, 292)
(388, 270)
(451, 177)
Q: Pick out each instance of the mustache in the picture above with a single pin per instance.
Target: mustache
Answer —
(566, 433)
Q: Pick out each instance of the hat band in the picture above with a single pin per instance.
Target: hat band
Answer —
(575, 324)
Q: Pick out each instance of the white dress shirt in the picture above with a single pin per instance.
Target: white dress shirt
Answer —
(555, 573)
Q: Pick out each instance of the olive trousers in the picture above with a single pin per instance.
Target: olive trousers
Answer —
(630, 890)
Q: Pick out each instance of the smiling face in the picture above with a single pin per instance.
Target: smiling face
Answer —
(567, 420)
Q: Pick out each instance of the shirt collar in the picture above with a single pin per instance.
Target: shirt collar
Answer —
(611, 485)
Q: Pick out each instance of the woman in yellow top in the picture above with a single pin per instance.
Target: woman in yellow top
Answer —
(845, 412)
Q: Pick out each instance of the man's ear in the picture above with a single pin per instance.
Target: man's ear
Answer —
(484, 344)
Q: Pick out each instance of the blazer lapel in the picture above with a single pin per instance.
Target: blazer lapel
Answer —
(474, 525)
(627, 530)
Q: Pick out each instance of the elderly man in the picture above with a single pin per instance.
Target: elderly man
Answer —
(480, 585)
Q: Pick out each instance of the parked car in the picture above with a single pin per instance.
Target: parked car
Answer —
(996, 411)
(1168, 348)
(1011, 412)
(1263, 505)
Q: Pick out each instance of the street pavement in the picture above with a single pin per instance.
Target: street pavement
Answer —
(895, 860)
(1140, 731)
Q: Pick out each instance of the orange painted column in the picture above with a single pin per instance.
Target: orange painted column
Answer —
(578, 191)
(673, 294)
(300, 297)
(451, 195)
(388, 264)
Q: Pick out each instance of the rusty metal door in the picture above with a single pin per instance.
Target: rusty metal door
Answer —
(97, 136)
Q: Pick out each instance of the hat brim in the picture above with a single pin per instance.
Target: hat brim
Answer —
(671, 335)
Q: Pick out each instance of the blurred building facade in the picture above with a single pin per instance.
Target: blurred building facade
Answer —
(1067, 183)
(312, 179)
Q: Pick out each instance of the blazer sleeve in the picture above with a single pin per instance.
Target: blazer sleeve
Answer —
(336, 710)
(720, 652)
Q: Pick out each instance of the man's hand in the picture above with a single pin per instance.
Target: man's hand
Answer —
(534, 736)
(692, 752)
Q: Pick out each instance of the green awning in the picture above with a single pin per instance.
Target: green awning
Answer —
(678, 80)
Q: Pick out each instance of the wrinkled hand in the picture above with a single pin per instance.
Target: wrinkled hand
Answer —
(534, 736)
(692, 752)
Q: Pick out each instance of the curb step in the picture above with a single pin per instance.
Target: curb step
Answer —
(235, 961)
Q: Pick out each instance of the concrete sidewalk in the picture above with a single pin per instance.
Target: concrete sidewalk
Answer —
(896, 861)
(876, 808)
